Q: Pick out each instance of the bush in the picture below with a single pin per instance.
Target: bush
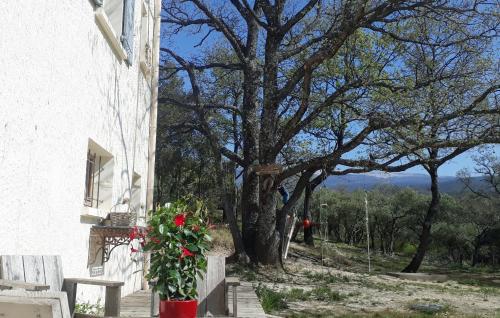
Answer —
(324, 293)
(408, 249)
(89, 308)
(177, 237)
(298, 294)
(270, 300)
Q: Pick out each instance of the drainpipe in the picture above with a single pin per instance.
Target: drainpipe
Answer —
(152, 121)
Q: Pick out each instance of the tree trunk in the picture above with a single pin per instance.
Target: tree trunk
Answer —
(425, 236)
(372, 238)
(250, 138)
(250, 188)
(475, 255)
(308, 231)
(267, 240)
(392, 237)
(229, 212)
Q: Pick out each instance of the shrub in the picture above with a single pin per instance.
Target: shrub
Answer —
(177, 237)
(270, 300)
(408, 249)
(324, 293)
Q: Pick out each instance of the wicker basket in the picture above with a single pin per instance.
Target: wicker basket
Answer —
(122, 219)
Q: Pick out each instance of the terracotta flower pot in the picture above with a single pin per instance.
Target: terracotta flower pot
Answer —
(178, 308)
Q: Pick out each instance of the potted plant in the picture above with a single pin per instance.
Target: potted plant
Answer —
(177, 238)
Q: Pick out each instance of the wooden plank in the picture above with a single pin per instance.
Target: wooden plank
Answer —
(12, 267)
(154, 304)
(232, 281)
(33, 269)
(216, 289)
(201, 287)
(112, 301)
(248, 303)
(17, 284)
(95, 282)
(137, 305)
(16, 304)
(267, 169)
(13, 309)
(53, 272)
(70, 289)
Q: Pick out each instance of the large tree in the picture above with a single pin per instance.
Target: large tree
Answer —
(313, 79)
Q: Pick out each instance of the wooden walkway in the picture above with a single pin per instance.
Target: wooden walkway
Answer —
(138, 304)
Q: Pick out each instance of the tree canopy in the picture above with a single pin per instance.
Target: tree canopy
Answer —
(337, 86)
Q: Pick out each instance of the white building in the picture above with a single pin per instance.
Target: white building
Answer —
(76, 80)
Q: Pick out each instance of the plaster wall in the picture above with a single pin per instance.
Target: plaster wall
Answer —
(61, 84)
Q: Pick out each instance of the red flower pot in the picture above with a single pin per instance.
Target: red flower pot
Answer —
(178, 308)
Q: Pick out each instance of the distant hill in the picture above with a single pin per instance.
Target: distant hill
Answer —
(419, 182)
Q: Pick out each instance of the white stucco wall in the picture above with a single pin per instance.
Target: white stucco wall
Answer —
(61, 84)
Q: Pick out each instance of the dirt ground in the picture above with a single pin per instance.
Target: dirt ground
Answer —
(353, 292)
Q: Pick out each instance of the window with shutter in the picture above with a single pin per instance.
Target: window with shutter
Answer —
(116, 19)
(128, 29)
(114, 11)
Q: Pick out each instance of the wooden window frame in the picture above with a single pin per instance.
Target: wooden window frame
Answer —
(90, 172)
(110, 33)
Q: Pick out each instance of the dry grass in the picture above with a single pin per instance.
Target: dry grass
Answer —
(222, 242)
(343, 288)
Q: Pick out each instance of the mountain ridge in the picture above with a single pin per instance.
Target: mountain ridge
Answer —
(419, 182)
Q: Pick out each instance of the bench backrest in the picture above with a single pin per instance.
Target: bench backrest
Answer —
(40, 269)
(211, 289)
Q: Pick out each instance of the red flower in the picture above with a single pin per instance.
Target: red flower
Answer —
(133, 234)
(180, 219)
(185, 252)
(155, 240)
(195, 228)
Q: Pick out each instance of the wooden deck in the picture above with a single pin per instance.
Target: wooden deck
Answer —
(138, 304)
(248, 304)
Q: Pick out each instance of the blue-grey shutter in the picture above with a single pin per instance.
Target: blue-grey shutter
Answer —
(98, 3)
(127, 37)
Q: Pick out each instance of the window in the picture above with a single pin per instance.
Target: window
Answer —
(116, 20)
(114, 11)
(98, 178)
(89, 179)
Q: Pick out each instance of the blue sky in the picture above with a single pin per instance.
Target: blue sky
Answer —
(463, 161)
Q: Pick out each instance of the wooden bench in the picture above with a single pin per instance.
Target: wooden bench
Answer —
(33, 304)
(232, 282)
(15, 284)
(46, 270)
